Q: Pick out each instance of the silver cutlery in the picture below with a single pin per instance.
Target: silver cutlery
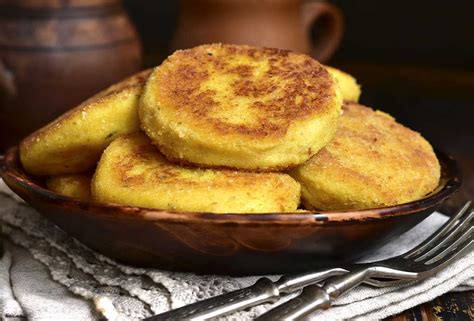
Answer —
(450, 242)
(438, 250)
(264, 290)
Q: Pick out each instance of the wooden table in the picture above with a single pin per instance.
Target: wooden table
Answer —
(439, 103)
(450, 306)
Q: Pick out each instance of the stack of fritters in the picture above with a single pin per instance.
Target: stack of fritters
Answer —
(233, 129)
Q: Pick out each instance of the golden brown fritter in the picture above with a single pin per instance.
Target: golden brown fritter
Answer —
(240, 106)
(72, 185)
(350, 90)
(73, 142)
(372, 161)
(133, 172)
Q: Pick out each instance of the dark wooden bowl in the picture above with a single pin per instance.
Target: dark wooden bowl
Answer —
(227, 243)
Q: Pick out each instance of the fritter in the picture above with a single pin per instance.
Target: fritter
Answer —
(74, 142)
(372, 161)
(240, 107)
(133, 172)
(72, 185)
(350, 90)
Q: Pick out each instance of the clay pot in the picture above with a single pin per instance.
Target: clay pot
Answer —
(54, 54)
(313, 27)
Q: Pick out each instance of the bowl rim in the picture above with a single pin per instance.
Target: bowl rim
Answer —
(450, 181)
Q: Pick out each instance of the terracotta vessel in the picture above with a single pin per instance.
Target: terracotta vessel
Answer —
(287, 24)
(54, 54)
(237, 244)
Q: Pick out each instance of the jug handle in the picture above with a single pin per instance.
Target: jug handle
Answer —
(2, 164)
(331, 21)
(7, 82)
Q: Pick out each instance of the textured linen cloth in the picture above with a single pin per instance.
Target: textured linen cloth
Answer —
(47, 275)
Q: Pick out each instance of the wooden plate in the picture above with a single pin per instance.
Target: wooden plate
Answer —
(235, 244)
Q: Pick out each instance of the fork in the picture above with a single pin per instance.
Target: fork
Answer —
(451, 241)
(265, 290)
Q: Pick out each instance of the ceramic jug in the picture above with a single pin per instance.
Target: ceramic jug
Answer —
(313, 27)
(56, 53)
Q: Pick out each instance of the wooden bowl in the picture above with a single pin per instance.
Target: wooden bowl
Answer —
(227, 243)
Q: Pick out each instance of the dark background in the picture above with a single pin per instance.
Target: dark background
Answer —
(430, 33)
(414, 59)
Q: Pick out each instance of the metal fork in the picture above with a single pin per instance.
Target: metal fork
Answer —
(454, 239)
(265, 290)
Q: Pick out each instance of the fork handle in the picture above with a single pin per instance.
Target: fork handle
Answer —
(314, 297)
(264, 290)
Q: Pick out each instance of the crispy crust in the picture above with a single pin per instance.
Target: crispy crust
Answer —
(186, 72)
(128, 85)
(133, 172)
(239, 102)
(372, 161)
(73, 142)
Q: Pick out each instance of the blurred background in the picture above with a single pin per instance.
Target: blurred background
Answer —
(414, 59)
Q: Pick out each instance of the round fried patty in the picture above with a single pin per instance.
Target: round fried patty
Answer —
(74, 142)
(133, 172)
(240, 106)
(372, 161)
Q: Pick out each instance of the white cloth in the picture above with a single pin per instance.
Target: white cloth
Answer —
(40, 298)
(81, 282)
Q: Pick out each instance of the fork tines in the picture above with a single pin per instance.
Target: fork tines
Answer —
(456, 234)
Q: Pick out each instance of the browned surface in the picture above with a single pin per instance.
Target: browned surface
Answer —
(373, 161)
(137, 151)
(307, 91)
(74, 142)
(133, 172)
(127, 85)
(437, 102)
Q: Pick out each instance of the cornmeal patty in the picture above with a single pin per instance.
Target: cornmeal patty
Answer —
(372, 161)
(72, 185)
(133, 172)
(350, 90)
(240, 106)
(74, 142)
